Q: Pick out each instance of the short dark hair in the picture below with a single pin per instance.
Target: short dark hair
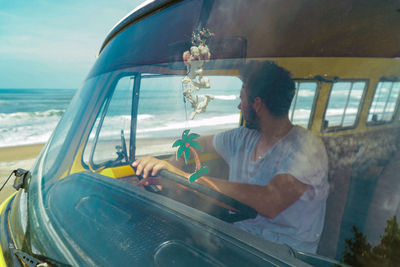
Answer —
(273, 84)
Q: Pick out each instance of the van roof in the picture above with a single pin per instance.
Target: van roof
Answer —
(132, 16)
(302, 28)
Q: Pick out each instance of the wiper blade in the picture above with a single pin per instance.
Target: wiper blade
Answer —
(35, 260)
(28, 259)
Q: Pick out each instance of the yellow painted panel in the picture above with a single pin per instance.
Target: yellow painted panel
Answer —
(2, 207)
(208, 157)
(344, 68)
(2, 262)
(77, 165)
(4, 204)
(362, 125)
(321, 103)
(117, 172)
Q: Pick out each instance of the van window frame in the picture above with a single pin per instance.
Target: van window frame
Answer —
(102, 112)
(396, 108)
(360, 107)
(314, 102)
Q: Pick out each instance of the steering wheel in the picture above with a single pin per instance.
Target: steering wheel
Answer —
(241, 211)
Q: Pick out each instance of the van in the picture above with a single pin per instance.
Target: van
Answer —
(168, 73)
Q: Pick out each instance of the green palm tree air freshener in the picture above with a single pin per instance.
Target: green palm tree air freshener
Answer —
(188, 145)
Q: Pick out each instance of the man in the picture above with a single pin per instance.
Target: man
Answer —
(276, 168)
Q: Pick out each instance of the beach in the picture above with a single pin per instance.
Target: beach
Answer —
(27, 119)
(12, 158)
(29, 116)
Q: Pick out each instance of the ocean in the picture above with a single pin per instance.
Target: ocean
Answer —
(29, 116)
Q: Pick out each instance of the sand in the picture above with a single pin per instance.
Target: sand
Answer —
(12, 158)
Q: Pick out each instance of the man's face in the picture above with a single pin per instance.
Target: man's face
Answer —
(248, 112)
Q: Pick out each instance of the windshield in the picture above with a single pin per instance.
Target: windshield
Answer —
(283, 132)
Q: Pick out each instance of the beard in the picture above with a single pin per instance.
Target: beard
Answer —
(252, 121)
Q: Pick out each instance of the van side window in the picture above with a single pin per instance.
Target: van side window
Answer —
(384, 102)
(110, 135)
(344, 104)
(303, 103)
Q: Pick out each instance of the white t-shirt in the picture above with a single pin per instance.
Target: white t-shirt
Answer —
(300, 154)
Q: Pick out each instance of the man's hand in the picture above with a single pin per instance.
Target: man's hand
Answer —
(150, 166)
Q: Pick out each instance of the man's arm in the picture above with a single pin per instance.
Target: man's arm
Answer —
(270, 200)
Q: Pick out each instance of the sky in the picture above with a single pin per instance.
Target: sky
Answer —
(53, 43)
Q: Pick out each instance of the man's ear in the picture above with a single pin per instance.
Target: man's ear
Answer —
(257, 104)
